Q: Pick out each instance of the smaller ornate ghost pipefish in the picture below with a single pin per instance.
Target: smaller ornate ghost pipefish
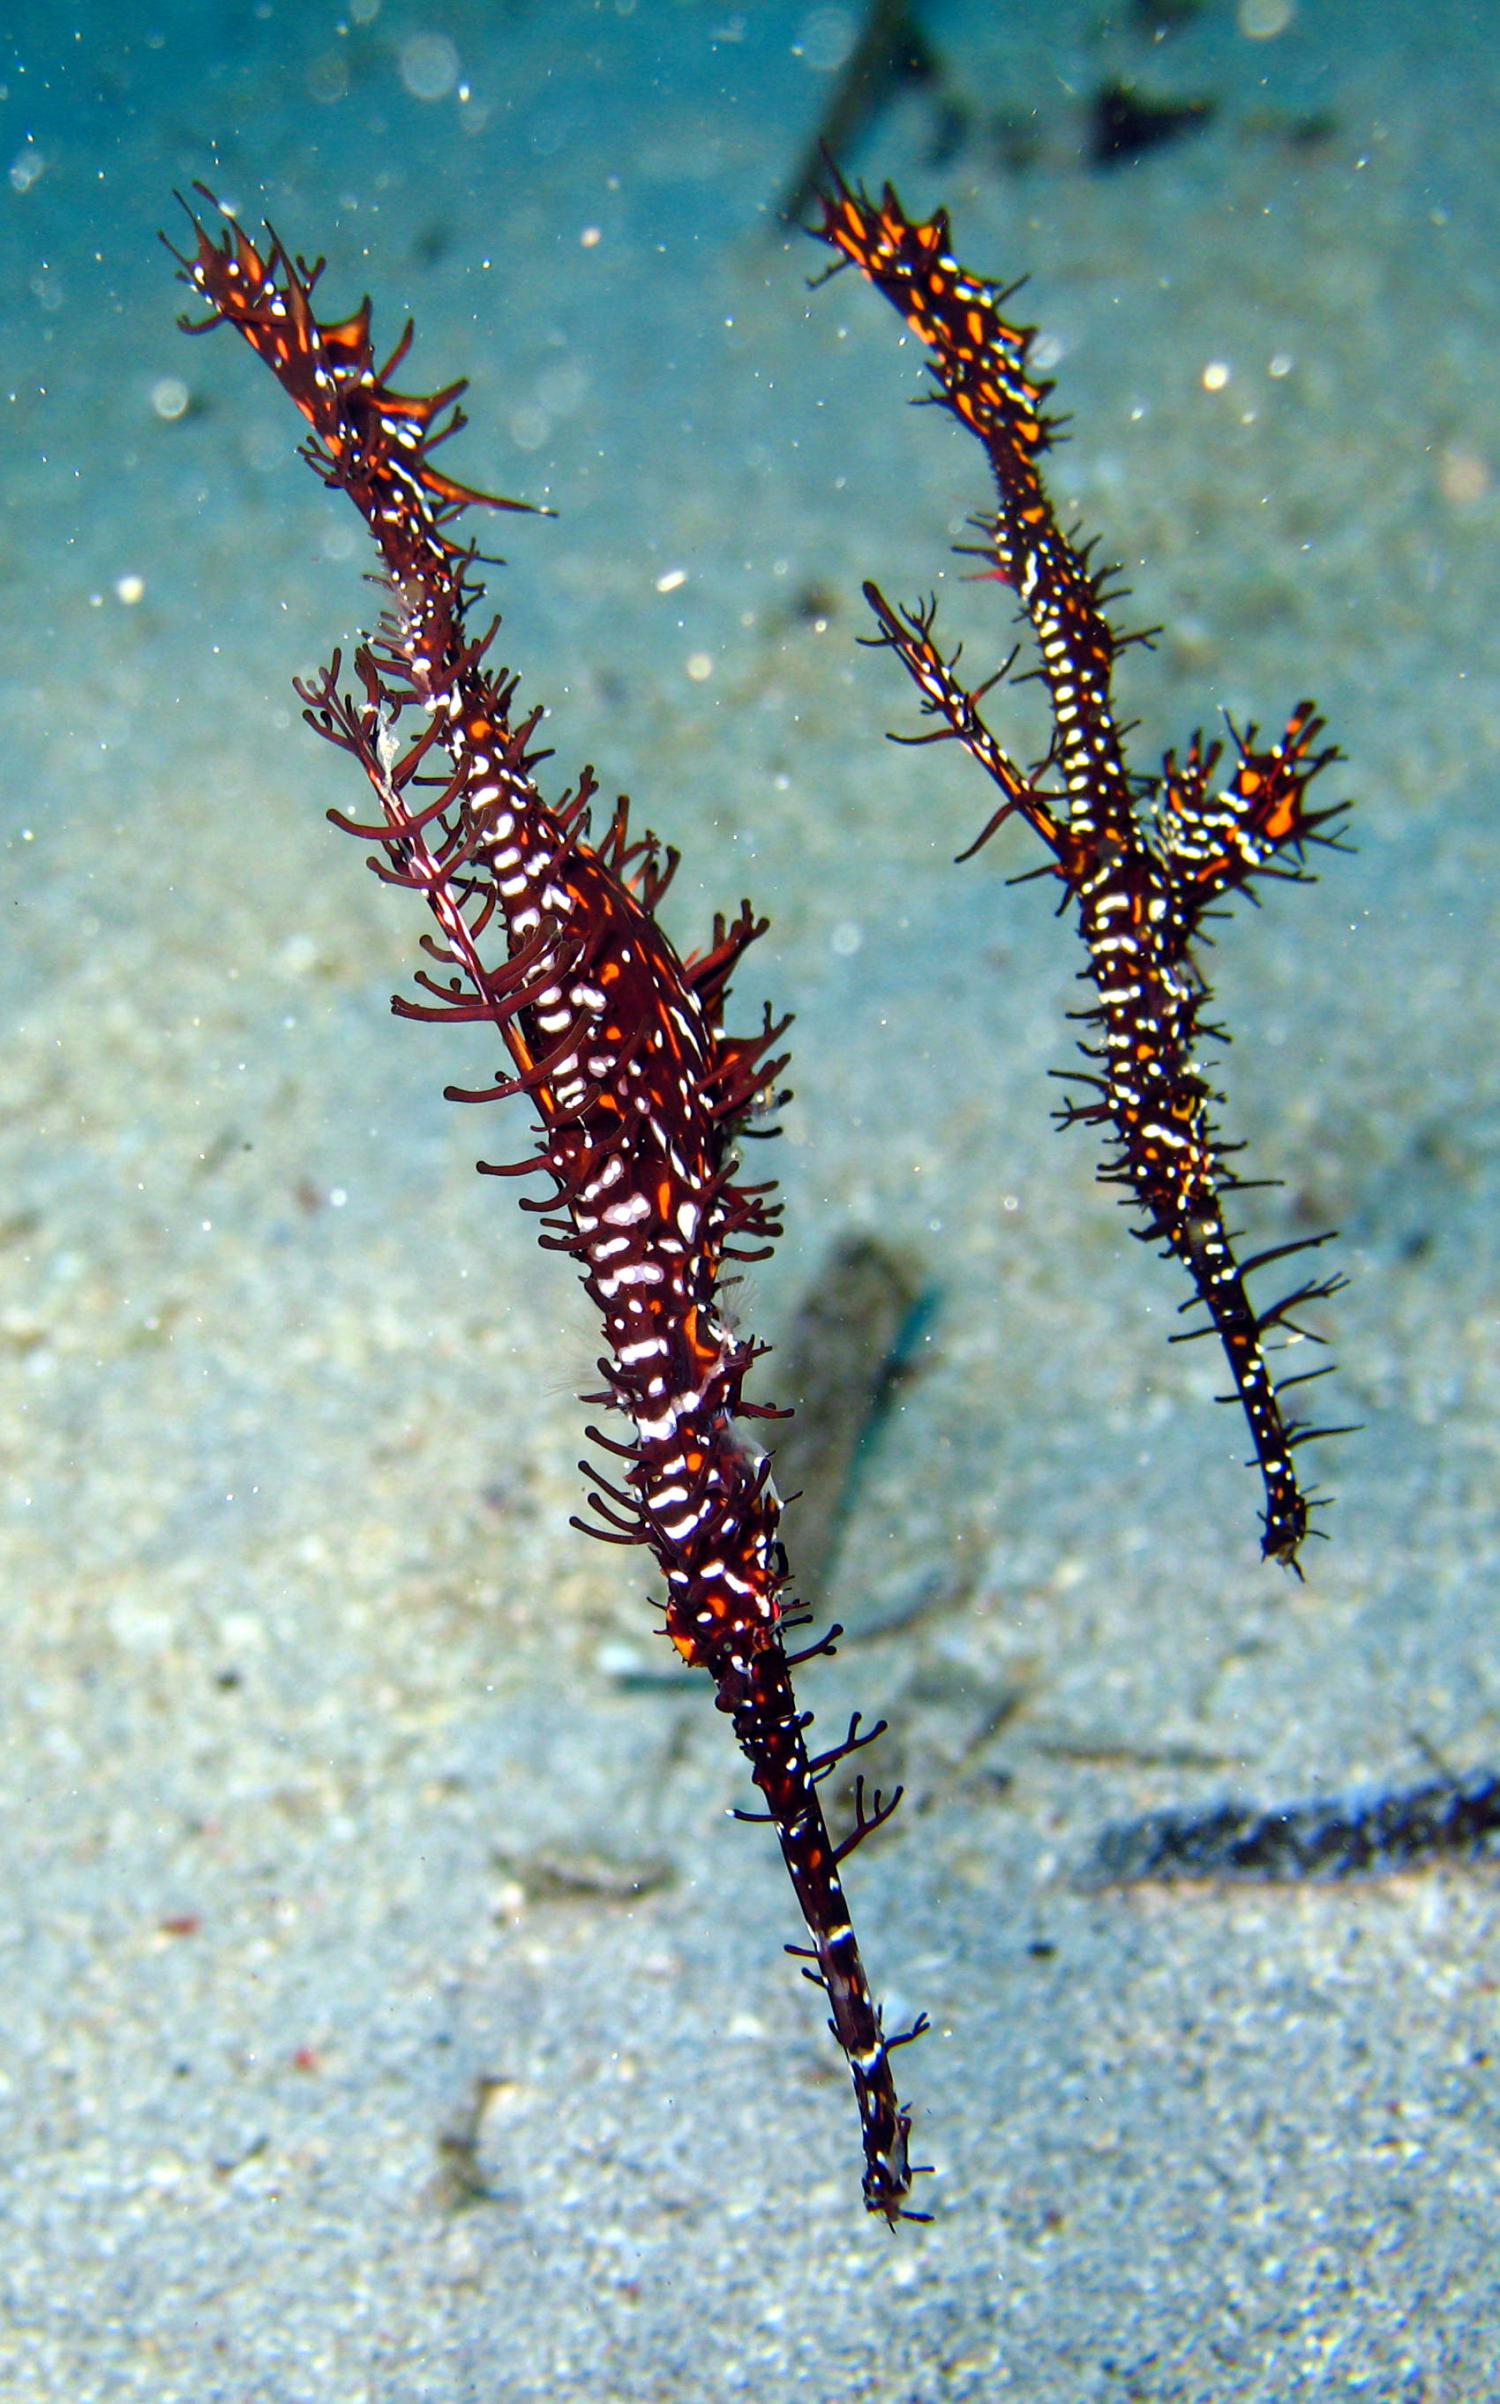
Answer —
(1144, 859)
(551, 937)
